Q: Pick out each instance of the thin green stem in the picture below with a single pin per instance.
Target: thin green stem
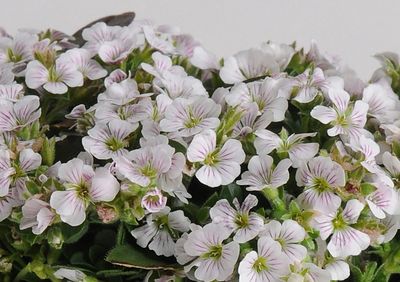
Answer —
(272, 195)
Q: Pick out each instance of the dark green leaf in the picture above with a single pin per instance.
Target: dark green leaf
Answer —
(73, 234)
(130, 256)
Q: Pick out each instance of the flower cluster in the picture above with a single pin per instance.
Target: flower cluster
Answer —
(273, 164)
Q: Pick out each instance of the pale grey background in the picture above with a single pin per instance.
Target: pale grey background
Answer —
(352, 29)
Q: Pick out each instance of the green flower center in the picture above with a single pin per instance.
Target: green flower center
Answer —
(53, 76)
(115, 144)
(211, 159)
(12, 57)
(320, 184)
(260, 264)
(162, 222)
(339, 223)
(214, 252)
(19, 172)
(192, 121)
(242, 220)
(82, 189)
(149, 171)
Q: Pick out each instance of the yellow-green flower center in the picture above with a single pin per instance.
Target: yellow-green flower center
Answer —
(242, 220)
(211, 159)
(192, 121)
(12, 57)
(115, 144)
(53, 76)
(149, 171)
(339, 223)
(320, 184)
(214, 252)
(260, 264)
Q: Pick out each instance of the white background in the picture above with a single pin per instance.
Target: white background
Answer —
(352, 29)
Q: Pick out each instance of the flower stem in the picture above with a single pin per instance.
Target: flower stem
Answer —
(24, 271)
(278, 205)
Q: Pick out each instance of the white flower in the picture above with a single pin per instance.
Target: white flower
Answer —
(115, 76)
(143, 165)
(215, 260)
(36, 214)
(154, 201)
(98, 34)
(161, 65)
(338, 269)
(282, 53)
(370, 149)
(117, 50)
(392, 224)
(289, 235)
(121, 93)
(220, 166)
(83, 185)
(81, 60)
(261, 173)
(267, 141)
(55, 79)
(108, 141)
(308, 272)
(266, 265)
(346, 240)
(346, 119)
(6, 74)
(14, 172)
(308, 85)
(11, 92)
(320, 176)
(24, 112)
(18, 49)
(189, 117)
(73, 275)
(180, 85)
(244, 223)
(156, 40)
(131, 113)
(251, 121)
(204, 59)
(264, 93)
(383, 103)
(384, 200)
(8, 202)
(159, 229)
(181, 256)
(248, 64)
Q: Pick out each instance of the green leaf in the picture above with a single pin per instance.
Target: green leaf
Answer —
(32, 187)
(73, 234)
(367, 189)
(356, 273)
(203, 214)
(134, 257)
(118, 272)
(211, 200)
(231, 191)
